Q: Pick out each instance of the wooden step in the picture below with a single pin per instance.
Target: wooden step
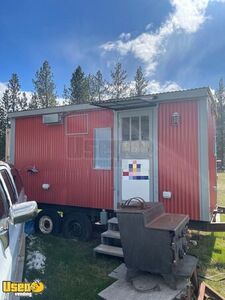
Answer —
(113, 224)
(113, 220)
(109, 250)
(111, 234)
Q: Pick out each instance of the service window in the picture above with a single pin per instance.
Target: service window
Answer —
(9, 185)
(135, 134)
(102, 148)
(4, 205)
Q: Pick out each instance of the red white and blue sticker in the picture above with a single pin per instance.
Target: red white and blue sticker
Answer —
(134, 172)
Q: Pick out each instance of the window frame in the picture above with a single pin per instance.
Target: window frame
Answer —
(6, 203)
(109, 159)
(17, 180)
(12, 184)
(140, 128)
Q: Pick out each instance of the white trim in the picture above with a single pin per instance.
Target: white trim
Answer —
(191, 94)
(150, 111)
(115, 162)
(155, 156)
(204, 195)
(53, 110)
(12, 141)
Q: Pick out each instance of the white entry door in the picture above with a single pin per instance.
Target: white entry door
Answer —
(135, 154)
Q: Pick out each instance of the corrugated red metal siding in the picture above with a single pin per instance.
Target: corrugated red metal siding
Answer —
(212, 157)
(77, 124)
(178, 158)
(64, 161)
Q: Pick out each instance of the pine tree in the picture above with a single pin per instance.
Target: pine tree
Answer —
(220, 94)
(78, 87)
(118, 86)
(96, 87)
(4, 109)
(2, 118)
(91, 90)
(10, 102)
(6, 101)
(23, 102)
(66, 95)
(3, 126)
(14, 93)
(34, 102)
(100, 86)
(44, 86)
(140, 82)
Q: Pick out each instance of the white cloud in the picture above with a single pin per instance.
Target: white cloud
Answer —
(213, 91)
(187, 17)
(125, 36)
(148, 26)
(156, 87)
(28, 94)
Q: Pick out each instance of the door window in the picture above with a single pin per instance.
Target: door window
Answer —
(4, 206)
(144, 128)
(17, 180)
(135, 134)
(126, 129)
(135, 128)
(9, 185)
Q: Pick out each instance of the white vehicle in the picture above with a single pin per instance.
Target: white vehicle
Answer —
(14, 211)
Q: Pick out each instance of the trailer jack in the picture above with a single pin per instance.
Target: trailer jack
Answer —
(214, 225)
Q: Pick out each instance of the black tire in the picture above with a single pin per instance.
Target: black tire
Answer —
(48, 222)
(77, 226)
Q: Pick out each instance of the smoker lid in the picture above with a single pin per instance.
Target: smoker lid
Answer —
(138, 210)
(166, 221)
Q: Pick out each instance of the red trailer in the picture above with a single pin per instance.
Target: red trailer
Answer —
(83, 160)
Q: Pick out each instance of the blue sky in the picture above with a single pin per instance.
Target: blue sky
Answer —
(179, 43)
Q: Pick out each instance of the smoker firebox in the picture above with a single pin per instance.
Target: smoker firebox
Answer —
(152, 240)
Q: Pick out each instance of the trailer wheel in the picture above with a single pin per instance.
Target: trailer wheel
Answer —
(77, 226)
(48, 222)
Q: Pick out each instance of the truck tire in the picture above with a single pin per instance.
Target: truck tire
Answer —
(48, 222)
(77, 226)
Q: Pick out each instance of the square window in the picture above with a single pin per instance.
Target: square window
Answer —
(135, 128)
(125, 129)
(144, 128)
(102, 148)
(9, 185)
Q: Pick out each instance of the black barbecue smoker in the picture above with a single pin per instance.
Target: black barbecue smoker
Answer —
(152, 240)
